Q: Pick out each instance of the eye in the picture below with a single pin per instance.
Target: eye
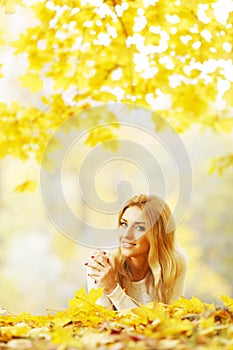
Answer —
(140, 228)
(123, 224)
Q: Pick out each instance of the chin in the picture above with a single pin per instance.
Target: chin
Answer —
(126, 252)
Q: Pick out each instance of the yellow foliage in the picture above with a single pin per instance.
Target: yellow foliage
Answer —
(119, 51)
(185, 324)
(151, 312)
(28, 185)
(64, 336)
(9, 5)
(193, 306)
(102, 134)
(32, 81)
(228, 302)
(1, 75)
(82, 299)
(221, 164)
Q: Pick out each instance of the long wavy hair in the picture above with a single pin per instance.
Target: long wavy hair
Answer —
(165, 259)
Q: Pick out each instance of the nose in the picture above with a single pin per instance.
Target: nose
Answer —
(128, 233)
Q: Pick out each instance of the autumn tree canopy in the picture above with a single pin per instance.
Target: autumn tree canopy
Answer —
(172, 57)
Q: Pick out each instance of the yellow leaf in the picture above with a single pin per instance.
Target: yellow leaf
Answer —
(83, 308)
(228, 301)
(184, 306)
(9, 6)
(102, 134)
(31, 81)
(65, 337)
(81, 299)
(28, 185)
(152, 312)
(1, 75)
(175, 328)
(212, 167)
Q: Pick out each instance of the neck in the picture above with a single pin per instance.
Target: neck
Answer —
(139, 267)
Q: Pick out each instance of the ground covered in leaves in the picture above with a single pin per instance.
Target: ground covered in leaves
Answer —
(184, 325)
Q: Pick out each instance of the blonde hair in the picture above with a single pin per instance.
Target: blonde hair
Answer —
(165, 259)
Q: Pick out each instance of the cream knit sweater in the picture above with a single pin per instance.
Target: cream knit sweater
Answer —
(137, 294)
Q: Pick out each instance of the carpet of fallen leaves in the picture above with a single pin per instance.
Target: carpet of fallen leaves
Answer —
(186, 324)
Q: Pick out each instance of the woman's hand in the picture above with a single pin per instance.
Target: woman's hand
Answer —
(102, 272)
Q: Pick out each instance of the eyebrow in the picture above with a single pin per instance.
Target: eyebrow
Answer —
(136, 222)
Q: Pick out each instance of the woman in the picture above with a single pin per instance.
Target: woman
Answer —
(147, 266)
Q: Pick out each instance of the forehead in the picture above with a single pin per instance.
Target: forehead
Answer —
(134, 213)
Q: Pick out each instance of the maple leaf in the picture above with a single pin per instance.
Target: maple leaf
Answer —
(33, 81)
(28, 185)
(64, 337)
(81, 298)
(83, 307)
(151, 312)
(228, 301)
(183, 306)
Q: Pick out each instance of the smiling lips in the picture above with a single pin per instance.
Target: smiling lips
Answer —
(125, 244)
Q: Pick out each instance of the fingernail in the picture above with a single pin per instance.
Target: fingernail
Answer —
(104, 253)
(86, 263)
(108, 260)
(92, 256)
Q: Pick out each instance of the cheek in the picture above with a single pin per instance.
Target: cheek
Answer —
(119, 233)
(144, 244)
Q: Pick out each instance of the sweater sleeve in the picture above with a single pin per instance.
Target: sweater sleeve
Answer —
(121, 300)
(117, 297)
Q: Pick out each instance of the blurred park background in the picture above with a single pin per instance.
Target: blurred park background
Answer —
(41, 268)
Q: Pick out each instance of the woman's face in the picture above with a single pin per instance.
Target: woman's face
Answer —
(133, 226)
